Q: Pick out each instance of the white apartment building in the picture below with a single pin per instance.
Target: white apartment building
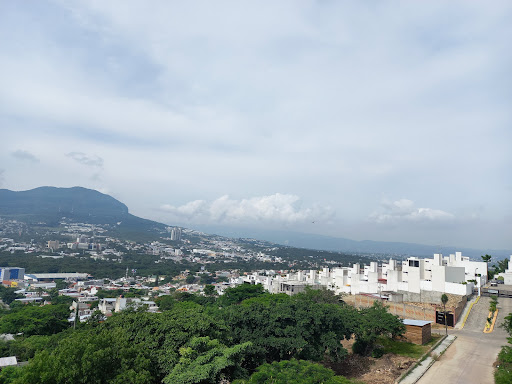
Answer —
(453, 274)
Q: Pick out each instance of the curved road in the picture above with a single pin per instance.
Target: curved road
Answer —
(471, 356)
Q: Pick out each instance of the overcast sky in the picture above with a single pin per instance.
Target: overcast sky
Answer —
(360, 119)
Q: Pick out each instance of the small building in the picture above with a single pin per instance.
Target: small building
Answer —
(417, 331)
(8, 361)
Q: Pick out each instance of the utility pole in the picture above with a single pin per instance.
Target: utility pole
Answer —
(76, 313)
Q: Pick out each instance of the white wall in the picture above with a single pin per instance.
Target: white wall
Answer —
(459, 289)
(438, 278)
(413, 278)
(455, 274)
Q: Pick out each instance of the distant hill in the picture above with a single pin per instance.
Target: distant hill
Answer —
(50, 205)
(338, 244)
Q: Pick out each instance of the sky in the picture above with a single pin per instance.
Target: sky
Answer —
(372, 120)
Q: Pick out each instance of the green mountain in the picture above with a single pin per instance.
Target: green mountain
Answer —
(50, 205)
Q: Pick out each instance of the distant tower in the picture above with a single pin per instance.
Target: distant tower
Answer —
(176, 234)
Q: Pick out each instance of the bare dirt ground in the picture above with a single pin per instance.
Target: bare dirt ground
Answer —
(369, 370)
(373, 371)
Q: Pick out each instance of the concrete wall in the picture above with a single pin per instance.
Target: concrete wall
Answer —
(455, 275)
(407, 311)
(404, 311)
(423, 297)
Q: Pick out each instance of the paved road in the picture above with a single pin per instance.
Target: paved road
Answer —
(470, 358)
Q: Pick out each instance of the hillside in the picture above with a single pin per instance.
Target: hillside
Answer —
(49, 205)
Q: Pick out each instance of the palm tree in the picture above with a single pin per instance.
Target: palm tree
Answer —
(486, 258)
(444, 300)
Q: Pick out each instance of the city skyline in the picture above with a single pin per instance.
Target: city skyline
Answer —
(380, 122)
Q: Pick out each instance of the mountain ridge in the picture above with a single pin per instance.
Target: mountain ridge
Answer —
(331, 243)
(51, 204)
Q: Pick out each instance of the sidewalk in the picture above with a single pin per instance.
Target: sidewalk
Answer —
(422, 367)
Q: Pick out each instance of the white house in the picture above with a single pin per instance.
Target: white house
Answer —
(454, 274)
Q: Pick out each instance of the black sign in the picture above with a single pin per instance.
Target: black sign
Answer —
(440, 318)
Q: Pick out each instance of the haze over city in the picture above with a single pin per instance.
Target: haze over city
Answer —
(360, 120)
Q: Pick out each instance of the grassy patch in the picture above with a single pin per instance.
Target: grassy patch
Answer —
(404, 348)
(503, 372)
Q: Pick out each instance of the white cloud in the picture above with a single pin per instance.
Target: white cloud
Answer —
(279, 208)
(404, 210)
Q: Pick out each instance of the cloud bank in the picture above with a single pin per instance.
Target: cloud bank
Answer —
(277, 208)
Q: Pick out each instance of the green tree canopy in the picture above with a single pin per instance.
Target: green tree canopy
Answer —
(208, 361)
(35, 320)
(282, 327)
(242, 292)
(294, 371)
(209, 290)
(373, 322)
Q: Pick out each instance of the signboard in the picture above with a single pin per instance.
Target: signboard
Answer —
(440, 318)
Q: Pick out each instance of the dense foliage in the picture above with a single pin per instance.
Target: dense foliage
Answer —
(294, 371)
(503, 372)
(35, 320)
(198, 339)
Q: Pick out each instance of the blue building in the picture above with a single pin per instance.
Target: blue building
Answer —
(11, 273)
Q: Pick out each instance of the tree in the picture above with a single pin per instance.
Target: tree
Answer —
(7, 294)
(444, 300)
(294, 371)
(242, 292)
(282, 327)
(501, 266)
(487, 258)
(190, 279)
(373, 322)
(208, 361)
(165, 302)
(209, 290)
(34, 320)
(129, 347)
